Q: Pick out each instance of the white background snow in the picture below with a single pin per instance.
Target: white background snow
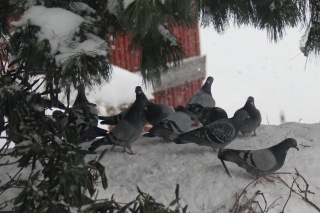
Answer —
(243, 63)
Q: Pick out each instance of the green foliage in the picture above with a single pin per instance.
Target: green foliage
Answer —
(59, 178)
(166, 49)
(274, 16)
(312, 43)
(144, 203)
(143, 20)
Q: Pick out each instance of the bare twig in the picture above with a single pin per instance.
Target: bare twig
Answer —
(272, 204)
(243, 192)
(289, 195)
(304, 194)
(267, 119)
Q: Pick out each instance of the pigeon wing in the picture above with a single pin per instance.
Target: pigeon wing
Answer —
(262, 159)
(220, 132)
(121, 133)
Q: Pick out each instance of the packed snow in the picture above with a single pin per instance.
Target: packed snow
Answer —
(204, 185)
(62, 37)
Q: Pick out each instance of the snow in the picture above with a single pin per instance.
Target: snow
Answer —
(167, 35)
(62, 36)
(204, 185)
(244, 63)
(50, 19)
(119, 91)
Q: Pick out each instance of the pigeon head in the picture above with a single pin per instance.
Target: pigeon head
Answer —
(207, 85)
(249, 102)
(180, 108)
(57, 113)
(138, 89)
(290, 143)
(209, 80)
(141, 97)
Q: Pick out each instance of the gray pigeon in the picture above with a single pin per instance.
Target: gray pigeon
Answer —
(217, 134)
(259, 162)
(155, 113)
(254, 119)
(203, 96)
(128, 130)
(172, 125)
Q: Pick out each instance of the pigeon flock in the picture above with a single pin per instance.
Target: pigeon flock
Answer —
(199, 122)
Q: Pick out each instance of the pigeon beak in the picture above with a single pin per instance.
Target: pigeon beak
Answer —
(297, 148)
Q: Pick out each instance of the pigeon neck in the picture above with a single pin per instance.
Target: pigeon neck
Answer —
(206, 88)
(81, 97)
(280, 151)
(249, 106)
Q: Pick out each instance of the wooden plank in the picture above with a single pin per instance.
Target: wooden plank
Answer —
(191, 69)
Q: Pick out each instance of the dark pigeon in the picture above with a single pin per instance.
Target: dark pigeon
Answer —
(85, 131)
(259, 162)
(155, 113)
(217, 134)
(254, 119)
(83, 109)
(207, 115)
(172, 125)
(128, 130)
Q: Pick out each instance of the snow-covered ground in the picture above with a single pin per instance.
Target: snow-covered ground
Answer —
(204, 184)
(158, 166)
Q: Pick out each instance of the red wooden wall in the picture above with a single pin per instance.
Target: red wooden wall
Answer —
(178, 95)
(121, 56)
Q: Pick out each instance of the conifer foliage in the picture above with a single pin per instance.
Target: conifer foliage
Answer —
(47, 46)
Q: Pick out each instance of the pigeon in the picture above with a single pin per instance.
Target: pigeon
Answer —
(174, 124)
(259, 162)
(217, 134)
(203, 98)
(254, 119)
(83, 115)
(85, 131)
(83, 109)
(155, 113)
(128, 130)
(206, 115)
(115, 119)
